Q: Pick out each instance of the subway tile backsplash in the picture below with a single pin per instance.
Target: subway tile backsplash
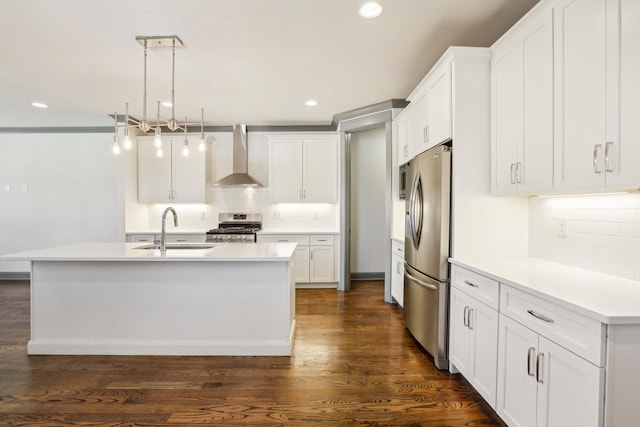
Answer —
(603, 232)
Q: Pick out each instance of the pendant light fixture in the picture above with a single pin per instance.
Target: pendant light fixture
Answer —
(144, 124)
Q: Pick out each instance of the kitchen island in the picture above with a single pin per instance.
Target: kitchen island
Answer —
(118, 299)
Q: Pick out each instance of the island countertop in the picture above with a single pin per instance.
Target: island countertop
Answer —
(129, 252)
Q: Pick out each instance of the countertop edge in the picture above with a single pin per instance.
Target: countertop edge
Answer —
(622, 319)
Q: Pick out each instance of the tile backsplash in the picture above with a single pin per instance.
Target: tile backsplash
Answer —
(603, 232)
(277, 216)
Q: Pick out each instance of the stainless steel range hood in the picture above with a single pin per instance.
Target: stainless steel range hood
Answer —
(239, 176)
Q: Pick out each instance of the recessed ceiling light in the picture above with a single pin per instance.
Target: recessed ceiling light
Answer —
(311, 103)
(39, 105)
(370, 10)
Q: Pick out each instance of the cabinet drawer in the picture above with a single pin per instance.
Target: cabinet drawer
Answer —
(478, 286)
(397, 248)
(322, 239)
(141, 238)
(301, 239)
(186, 238)
(580, 334)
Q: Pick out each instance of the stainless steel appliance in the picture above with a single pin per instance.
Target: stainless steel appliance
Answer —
(426, 251)
(236, 227)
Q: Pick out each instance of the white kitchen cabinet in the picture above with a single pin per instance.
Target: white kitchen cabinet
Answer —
(438, 105)
(550, 363)
(430, 114)
(473, 330)
(303, 169)
(543, 384)
(597, 45)
(171, 237)
(401, 124)
(173, 177)
(397, 272)
(522, 109)
(314, 258)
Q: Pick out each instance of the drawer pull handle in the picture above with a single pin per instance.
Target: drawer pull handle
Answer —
(465, 316)
(322, 240)
(470, 283)
(282, 240)
(540, 316)
(530, 354)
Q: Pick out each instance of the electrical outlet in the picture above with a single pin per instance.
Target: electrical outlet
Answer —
(203, 216)
(276, 214)
(7, 188)
(563, 226)
(25, 187)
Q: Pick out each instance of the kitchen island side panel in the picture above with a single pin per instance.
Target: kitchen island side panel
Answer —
(169, 308)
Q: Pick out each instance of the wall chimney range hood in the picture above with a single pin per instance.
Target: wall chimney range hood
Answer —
(239, 176)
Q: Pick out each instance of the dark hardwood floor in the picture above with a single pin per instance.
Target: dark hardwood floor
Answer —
(353, 365)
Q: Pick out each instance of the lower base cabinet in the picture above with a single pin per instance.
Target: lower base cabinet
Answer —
(543, 384)
(314, 258)
(397, 272)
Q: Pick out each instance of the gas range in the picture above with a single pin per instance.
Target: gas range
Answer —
(236, 227)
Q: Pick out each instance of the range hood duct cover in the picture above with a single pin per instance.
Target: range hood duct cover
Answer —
(240, 176)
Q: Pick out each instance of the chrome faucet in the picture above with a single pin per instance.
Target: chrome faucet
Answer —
(163, 236)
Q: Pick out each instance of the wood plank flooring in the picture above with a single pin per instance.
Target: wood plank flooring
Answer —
(354, 364)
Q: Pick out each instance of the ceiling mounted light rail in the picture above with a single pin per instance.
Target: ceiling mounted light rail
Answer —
(144, 124)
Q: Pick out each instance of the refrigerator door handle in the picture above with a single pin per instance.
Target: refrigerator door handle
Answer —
(415, 211)
(419, 282)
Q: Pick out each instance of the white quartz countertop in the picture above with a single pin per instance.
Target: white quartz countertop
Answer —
(608, 299)
(128, 252)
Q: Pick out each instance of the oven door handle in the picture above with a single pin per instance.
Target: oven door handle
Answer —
(418, 281)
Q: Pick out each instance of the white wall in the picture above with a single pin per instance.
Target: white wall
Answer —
(368, 177)
(603, 232)
(75, 191)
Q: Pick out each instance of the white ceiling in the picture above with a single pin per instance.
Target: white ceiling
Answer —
(244, 61)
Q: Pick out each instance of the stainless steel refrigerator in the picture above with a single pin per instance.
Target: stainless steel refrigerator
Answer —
(426, 251)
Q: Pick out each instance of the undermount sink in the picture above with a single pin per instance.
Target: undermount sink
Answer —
(178, 246)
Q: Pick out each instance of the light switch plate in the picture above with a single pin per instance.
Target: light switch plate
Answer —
(563, 226)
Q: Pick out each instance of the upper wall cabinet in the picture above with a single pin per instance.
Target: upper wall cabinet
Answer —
(597, 63)
(172, 178)
(522, 109)
(303, 168)
(426, 122)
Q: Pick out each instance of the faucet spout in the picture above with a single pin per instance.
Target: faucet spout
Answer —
(163, 236)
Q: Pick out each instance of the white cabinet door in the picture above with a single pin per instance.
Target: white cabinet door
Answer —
(474, 342)
(285, 170)
(534, 170)
(580, 94)
(439, 105)
(320, 170)
(483, 349)
(419, 124)
(624, 137)
(397, 278)
(505, 98)
(301, 264)
(517, 387)
(571, 389)
(321, 264)
(189, 181)
(154, 173)
(303, 169)
(402, 132)
(522, 105)
(459, 332)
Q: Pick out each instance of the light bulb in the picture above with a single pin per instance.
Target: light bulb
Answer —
(159, 152)
(116, 145)
(157, 142)
(127, 144)
(201, 145)
(185, 149)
